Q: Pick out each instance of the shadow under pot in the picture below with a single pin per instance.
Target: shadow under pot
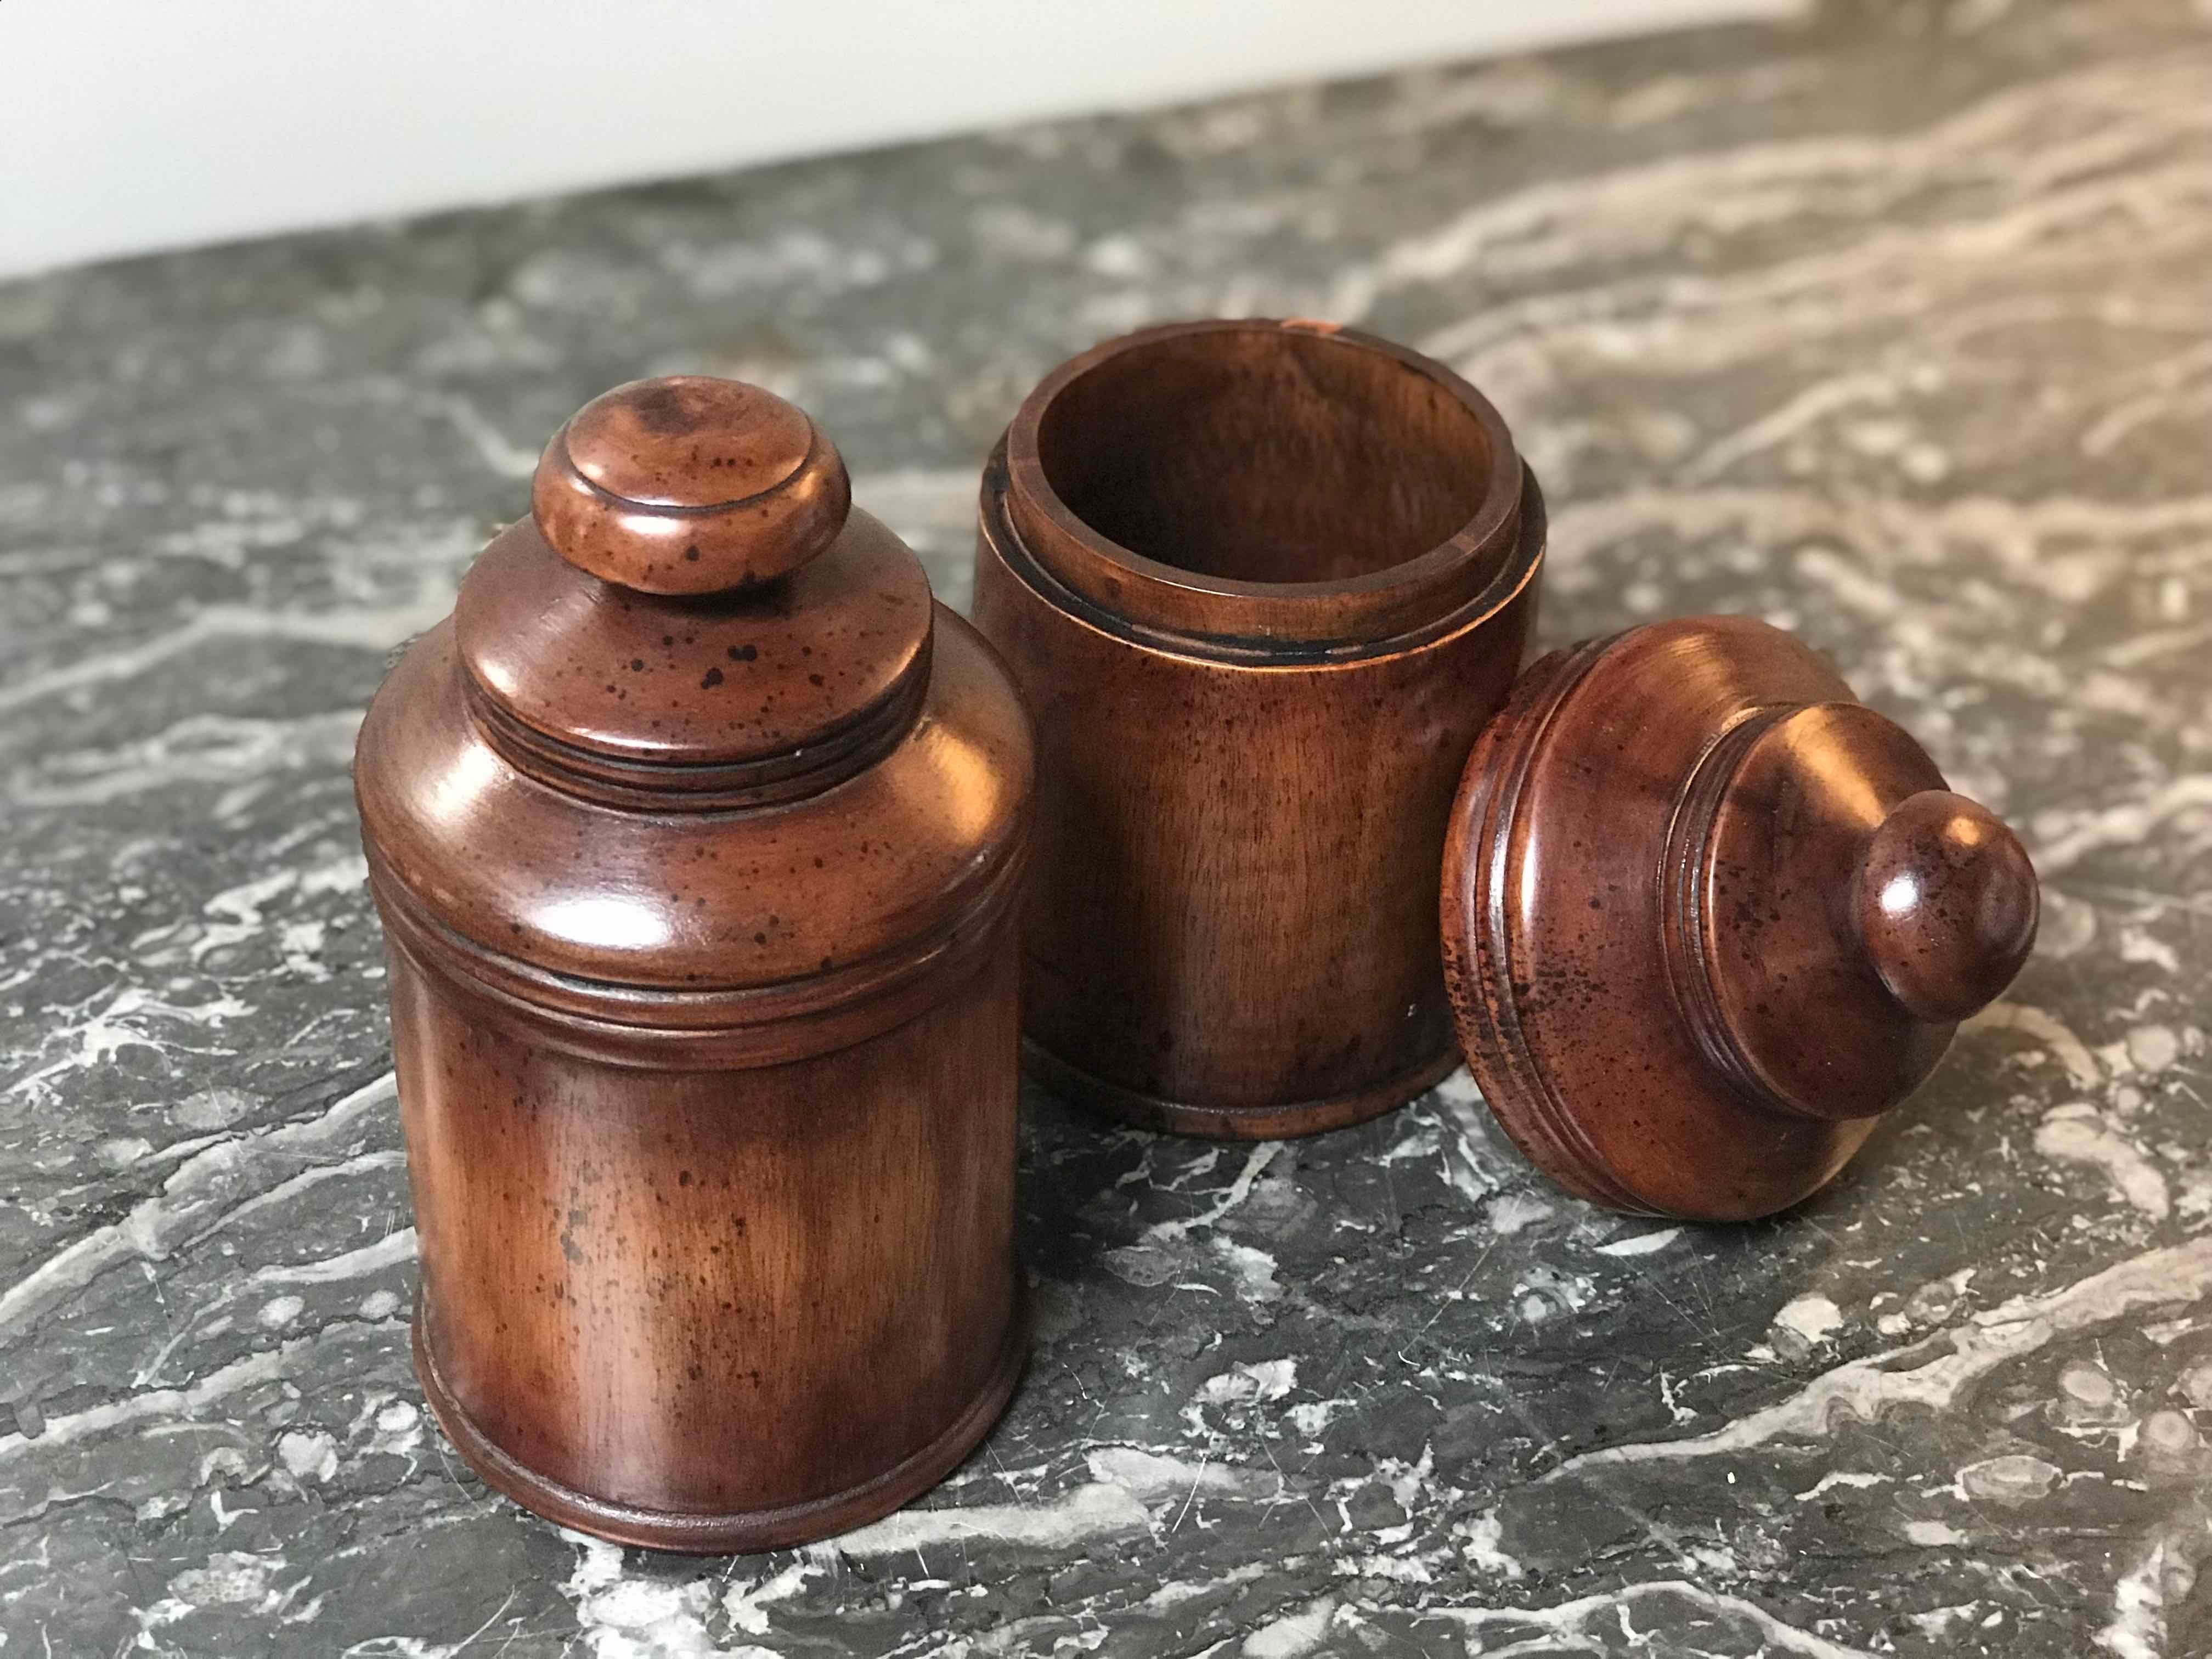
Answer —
(1262, 584)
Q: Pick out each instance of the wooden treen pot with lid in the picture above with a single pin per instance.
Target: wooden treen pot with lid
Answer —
(696, 832)
(1265, 586)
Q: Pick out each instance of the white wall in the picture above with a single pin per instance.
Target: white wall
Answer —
(132, 124)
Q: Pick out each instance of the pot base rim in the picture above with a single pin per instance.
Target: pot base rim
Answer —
(740, 1532)
(1288, 1121)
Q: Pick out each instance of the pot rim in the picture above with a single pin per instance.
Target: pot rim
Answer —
(1475, 562)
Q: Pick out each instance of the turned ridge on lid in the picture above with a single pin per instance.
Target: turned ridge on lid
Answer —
(693, 589)
(1706, 916)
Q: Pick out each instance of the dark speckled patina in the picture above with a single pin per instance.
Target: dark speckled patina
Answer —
(1890, 329)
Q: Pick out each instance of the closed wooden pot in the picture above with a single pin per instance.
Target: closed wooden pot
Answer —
(695, 833)
(1262, 584)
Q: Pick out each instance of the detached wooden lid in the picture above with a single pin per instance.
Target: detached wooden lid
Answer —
(694, 589)
(1706, 916)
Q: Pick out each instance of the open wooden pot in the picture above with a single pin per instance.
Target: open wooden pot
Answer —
(1262, 584)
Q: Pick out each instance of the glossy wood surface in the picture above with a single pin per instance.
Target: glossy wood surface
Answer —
(700, 910)
(1262, 583)
(1706, 916)
(1944, 902)
(754, 1306)
(690, 485)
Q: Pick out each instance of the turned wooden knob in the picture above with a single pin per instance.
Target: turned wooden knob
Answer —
(1945, 902)
(690, 485)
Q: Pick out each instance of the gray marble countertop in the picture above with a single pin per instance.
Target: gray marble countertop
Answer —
(1894, 328)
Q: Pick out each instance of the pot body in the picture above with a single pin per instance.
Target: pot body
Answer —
(1231, 925)
(712, 1310)
(710, 1115)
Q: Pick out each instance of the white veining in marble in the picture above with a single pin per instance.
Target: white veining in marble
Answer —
(1891, 326)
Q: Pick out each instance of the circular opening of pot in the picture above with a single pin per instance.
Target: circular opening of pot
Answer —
(1265, 454)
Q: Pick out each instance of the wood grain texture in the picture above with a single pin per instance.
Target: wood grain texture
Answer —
(690, 485)
(1654, 917)
(700, 915)
(1262, 583)
(714, 1311)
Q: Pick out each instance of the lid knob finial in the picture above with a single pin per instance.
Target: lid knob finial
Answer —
(690, 485)
(1945, 903)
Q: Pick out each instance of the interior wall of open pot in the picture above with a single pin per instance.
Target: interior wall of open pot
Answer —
(1266, 456)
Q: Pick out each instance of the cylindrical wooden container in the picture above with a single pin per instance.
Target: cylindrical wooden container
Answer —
(695, 833)
(1262, 584)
